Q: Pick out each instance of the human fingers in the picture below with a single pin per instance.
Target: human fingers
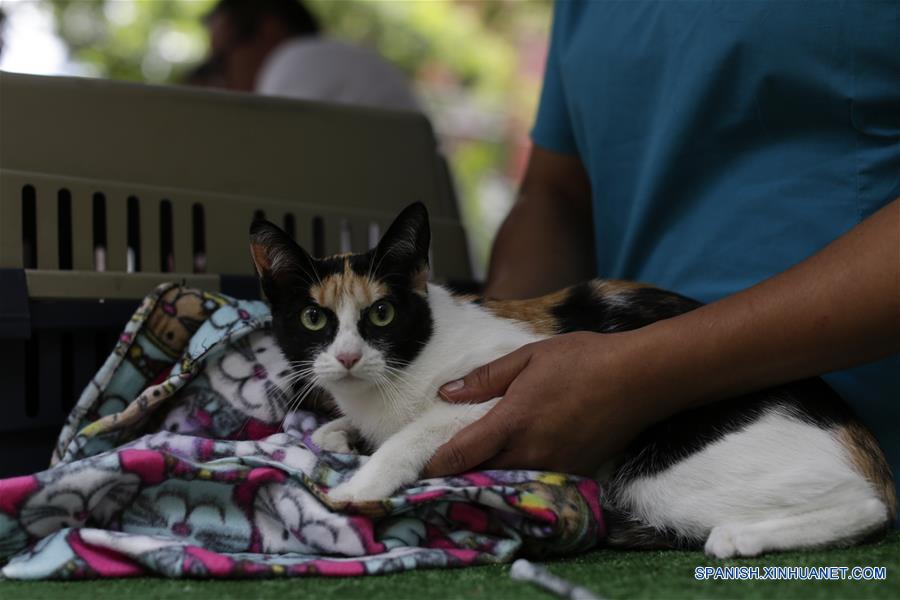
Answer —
(487, 381)
(470, 447)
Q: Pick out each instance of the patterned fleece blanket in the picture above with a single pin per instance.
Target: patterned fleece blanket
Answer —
(186, 457)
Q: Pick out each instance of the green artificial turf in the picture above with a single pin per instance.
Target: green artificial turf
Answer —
(613, 574)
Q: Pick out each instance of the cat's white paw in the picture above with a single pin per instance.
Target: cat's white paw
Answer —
(332, 440)
(355, 491)
(729, 541)
(367, 484)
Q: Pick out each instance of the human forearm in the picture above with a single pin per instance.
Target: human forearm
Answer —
(837, 309)
(546, 242)
(539, 250)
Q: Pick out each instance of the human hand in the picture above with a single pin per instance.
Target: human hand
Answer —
(568, 403)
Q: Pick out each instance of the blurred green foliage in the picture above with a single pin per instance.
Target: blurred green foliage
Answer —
(468, 60)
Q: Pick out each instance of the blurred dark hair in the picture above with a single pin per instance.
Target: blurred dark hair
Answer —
(246, 15)
(206, 74)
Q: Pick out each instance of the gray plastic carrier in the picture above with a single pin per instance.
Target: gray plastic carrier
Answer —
(108, 189)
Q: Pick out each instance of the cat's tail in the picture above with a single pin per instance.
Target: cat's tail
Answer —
(626, 531)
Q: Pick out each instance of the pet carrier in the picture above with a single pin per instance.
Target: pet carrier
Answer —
(108, 189)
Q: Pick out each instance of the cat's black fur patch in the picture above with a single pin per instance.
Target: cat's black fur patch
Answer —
(403, 339)
(298, 343)
(584, 309)
(679, 436)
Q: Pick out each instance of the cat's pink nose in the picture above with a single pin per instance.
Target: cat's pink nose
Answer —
(259, 371)
(349, 359)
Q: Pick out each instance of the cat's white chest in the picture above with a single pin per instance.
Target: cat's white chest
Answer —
(465, 337)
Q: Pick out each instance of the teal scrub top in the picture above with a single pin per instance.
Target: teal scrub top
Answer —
(726, 141)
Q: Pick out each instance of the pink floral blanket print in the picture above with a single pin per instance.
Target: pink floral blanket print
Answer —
(182, 459)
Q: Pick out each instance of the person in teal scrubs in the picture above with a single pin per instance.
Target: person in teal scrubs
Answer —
(745, 154)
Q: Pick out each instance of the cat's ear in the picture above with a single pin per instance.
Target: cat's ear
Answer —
(279, 261)
(404, 246)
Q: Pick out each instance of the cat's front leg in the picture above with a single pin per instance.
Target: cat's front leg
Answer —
(335, 436)
(400, 460)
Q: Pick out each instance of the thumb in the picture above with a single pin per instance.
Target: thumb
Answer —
(470, 447)
(487, 381)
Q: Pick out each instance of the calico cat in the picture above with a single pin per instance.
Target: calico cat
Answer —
(785, 468)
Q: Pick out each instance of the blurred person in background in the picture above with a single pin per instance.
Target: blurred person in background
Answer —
(275, 47)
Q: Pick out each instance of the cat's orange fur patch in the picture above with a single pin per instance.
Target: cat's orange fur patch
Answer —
(536, 312)
(611, 287)
(869, 460)
(347, 286)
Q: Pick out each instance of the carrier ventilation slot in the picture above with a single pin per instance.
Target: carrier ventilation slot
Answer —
(166, 238)
(290, 225)
(64, 228)
(133, 235)
(198, 222)
(99, 222)
(346, 240)
(29, 227)
(318, 237)
(374, 234)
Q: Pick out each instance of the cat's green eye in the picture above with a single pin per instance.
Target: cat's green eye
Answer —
(381, 313)
(313, 318)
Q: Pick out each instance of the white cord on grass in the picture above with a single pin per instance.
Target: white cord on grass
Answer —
(523, 570)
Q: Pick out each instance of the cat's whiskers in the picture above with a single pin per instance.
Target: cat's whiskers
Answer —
(300, 365)
(393, 401)
(300, 370)
(299, 375)
(297, 400)
(399, 392)
(373, 268)
(382, 391)
(369, 272)
(305, 373)
(401, 377)
(401, 388)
